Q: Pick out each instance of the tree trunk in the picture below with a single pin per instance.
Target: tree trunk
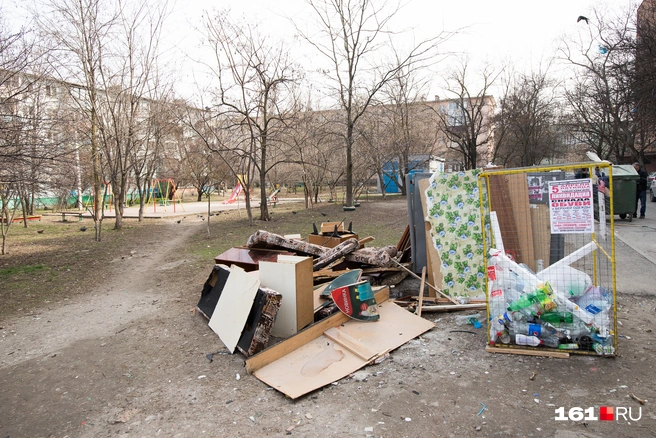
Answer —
(349, 165)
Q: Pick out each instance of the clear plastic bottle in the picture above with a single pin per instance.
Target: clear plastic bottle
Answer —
(574, 331)
(552, 341)
(469, 319)
(532, 341)
(526, 328)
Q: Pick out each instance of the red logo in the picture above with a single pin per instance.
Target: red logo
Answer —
(606, 413)
(491, 273)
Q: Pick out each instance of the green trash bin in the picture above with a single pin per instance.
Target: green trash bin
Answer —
(625, 185)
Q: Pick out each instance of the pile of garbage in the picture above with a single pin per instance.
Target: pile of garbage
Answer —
(558, 308)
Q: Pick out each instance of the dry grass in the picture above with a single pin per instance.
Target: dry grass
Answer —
(62, 261)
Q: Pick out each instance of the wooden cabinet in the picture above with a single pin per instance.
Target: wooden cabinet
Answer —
(291, 276)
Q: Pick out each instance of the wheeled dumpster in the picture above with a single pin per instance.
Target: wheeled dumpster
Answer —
(625, 184)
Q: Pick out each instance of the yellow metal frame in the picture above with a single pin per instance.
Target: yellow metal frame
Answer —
(484, 206)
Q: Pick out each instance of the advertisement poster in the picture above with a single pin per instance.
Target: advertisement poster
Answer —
(570, 206)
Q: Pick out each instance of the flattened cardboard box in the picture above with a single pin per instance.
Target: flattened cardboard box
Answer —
(338, 350)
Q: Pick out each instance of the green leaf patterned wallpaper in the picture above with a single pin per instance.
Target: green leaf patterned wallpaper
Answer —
(453, 203)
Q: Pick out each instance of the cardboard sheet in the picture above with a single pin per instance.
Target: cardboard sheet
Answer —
(323, 361)
(234, 306)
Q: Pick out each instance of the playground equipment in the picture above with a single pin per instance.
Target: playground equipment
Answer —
(165, 190)
(234, 195)
(273, 197)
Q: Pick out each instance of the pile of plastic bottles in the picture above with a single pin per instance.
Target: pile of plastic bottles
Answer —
(555, 308)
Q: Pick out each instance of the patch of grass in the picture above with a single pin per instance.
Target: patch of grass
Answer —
(63, 261)
(385, 220)
(17, 270)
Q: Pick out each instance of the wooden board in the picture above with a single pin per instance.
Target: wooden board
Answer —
(291, 276)
(322, 361)
(329, 227)
(328, 241)
(234, 306)
(509, 199)
(304, 336)
(541, 227)
(433, 262)
(518, 191)
(527, 352)
(351, 344)
(247, 258)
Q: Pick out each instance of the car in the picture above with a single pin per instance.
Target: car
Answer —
(651, 177)
(652, 190)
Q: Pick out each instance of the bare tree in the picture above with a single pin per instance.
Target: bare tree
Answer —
(406, 127)
(605, 98)
(526, 122)
(79, 31)
(349, 34)
(23, 149)
(125, 103)
(253, 95)
(148, 157)
(467, 121)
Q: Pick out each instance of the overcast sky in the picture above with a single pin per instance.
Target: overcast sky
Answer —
(523, 32)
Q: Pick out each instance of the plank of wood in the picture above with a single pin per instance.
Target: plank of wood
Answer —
(518, 191)
(350, 343)
(540, 223)
(403, 241)
(433, 260)
(366, 240)
(235, 304)
(322, 361)
(500, 203)
(306, 335)
(449, 307)
(421, 291)
(332, 274)
(329, 227)
(526, 352)
(453, 300)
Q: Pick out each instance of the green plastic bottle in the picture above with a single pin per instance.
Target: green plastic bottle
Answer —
(540, 296)
(557, 317)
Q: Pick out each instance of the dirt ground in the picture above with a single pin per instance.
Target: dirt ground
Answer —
(125, 355)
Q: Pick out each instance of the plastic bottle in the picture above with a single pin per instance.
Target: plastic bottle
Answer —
(603, 350)
(596, 300)
(496, 300)
(575, 331)
(552, 341)
(497, 324)
(469, 319)
(525, 328)
(557, 318)
(541, 298)
(533, 341)
(568, 347)
(504, 336)
(572, 282)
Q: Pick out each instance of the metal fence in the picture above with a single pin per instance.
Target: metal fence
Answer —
(548, 236)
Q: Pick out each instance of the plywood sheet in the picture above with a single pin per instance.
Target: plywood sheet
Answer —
(322, 361)
(518, 191)
(234, 306)
(291, 276)
(304, 336)
(433, 263)
(541, 227)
